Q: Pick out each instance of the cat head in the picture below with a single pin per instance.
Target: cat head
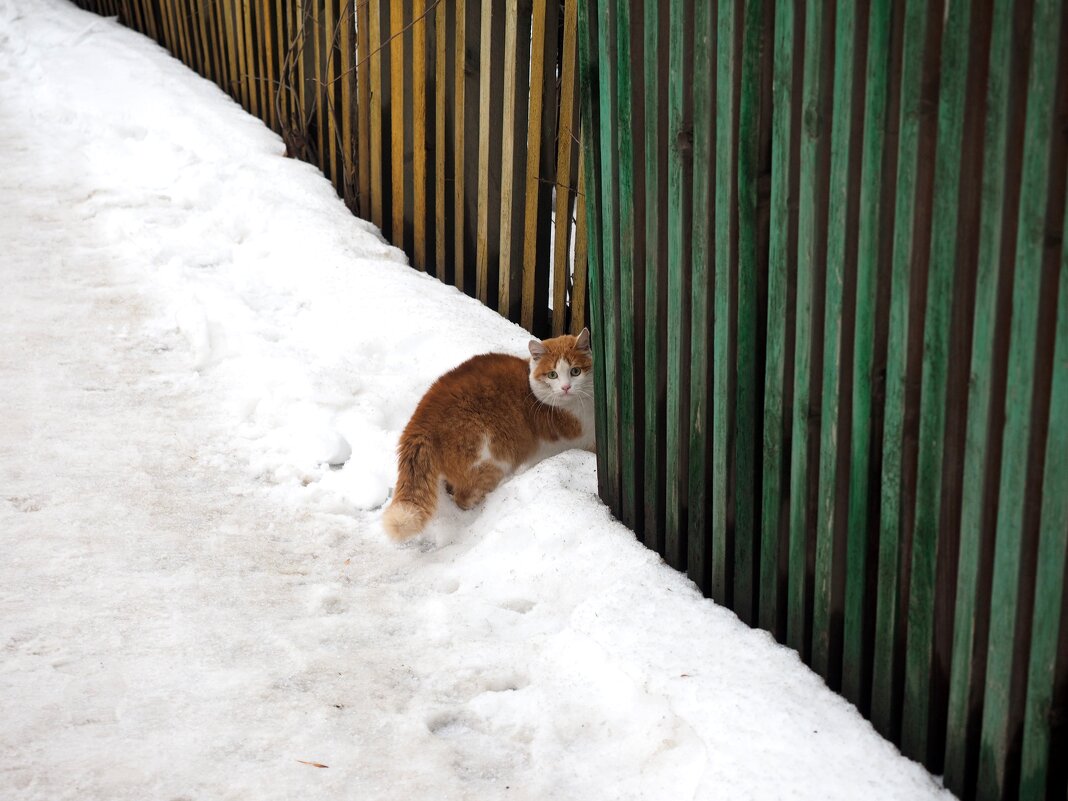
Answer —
(561, 369)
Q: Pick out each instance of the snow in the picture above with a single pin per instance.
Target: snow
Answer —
(205, 364)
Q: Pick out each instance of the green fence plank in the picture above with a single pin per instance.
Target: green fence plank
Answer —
(608, 130)
(1047, 624)
(778, 269)
(721, 461)
(697, 562)
(886, 622)
(591, 160)
(745, 529)
(1035, 177)
(940, 278)
(837, 199)
(653, 463)
(628, 378)
(807, 239)
(674, 547)
(973, 495)
(876, 77)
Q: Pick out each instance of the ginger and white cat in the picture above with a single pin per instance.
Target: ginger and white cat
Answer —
(487, 418)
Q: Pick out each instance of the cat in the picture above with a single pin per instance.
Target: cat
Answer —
(488, 418)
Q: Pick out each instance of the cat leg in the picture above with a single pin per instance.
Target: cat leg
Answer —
(476, 484)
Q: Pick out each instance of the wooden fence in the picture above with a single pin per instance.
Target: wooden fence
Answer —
(830, 305)
(451, 124)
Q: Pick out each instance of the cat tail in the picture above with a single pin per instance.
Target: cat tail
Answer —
(416, 495)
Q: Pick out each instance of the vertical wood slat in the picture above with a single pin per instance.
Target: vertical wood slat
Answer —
(206, 67)
(589, 80)
(231, 38)
(363, 104)
(578, 298)
(609, 246)
(534, 122)
(440, 22)
(331, 22)
(485, 77)
(347, 78)
(807, 253)
(876, 77)
(419, 119)
(1042, 81)
(625, 341)
(504, 283)
(778, 267)
(396, 119)
(654, 292)
(721, 395)
(375, 55)
(745, 411)
(962, 689)
(674, 545)
(1048, 626)
(243, 74)
(319, 87)
(699, 557)
(459, 136)
(941, 271)
(841, 135)
(889, 565)
(260, 34)
(251, 90)
(565, 138)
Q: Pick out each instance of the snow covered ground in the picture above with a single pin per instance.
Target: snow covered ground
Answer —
(195, 604)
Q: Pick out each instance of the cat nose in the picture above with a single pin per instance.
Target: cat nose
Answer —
(565, 387)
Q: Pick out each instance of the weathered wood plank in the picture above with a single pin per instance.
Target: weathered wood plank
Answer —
(889, 569)
(609, 262)
(347, 79)
(855, 632)
(1047, 625)
(627, 377)
(838, 197)
(807, 254)
(962, 675)
(1031, 237)
(535, 109)
(654, 290)
(698, 536)
(378, 211)
(778, 278)
(589, 80)
(674, 534)
(330, 108)
(745, 413)
(363, 104)
(565, 142)
(460, 57)
(419, 118)
(578, 296)
(440, 56)
(396, 120)
(250, 90)
(322, 114)
(940, 279)
(485, 79)
(504, 274)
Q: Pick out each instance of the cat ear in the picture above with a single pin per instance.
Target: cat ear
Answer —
(537, 348)
(582, 342)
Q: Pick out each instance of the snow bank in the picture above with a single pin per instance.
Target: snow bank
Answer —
(240, 608)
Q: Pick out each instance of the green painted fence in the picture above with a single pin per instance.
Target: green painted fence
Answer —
(831, 298)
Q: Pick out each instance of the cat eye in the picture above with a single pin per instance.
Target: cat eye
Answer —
(575, 371)
(552, 374)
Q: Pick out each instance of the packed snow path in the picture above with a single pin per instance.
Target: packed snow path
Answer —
(194, 604)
